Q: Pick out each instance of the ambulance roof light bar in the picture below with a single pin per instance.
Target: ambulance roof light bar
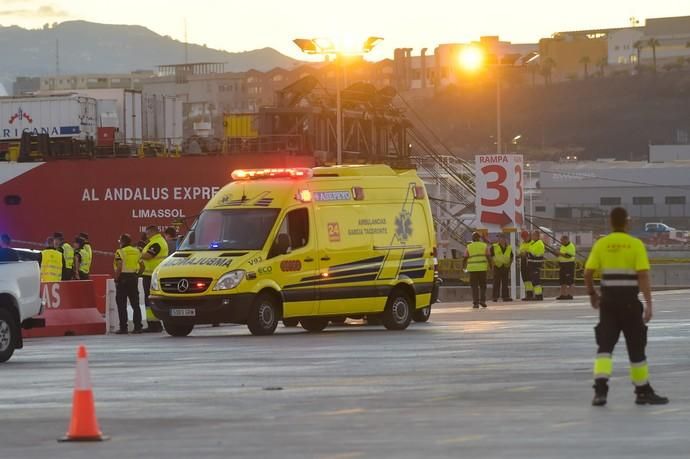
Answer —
(254, 174)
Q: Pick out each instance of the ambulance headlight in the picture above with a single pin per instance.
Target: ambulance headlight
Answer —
(155, 285)
(229, 280)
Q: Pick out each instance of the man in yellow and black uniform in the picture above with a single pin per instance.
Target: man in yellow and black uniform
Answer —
(67, 256)
(524, 269)
(153, 254)
(128, 265)
(82, 259)
(535, 263)
(566, 264)
(51, 262)
(502, 257)
(622, 261)
(477, 262)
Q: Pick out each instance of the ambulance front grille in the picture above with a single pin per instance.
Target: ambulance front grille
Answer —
(185, 284)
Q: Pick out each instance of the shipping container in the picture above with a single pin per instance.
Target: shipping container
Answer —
(60, 116)
(162, 120)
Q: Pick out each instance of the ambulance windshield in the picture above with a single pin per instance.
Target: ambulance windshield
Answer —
(241, 229)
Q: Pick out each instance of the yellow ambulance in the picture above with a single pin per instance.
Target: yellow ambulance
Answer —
(302, 244)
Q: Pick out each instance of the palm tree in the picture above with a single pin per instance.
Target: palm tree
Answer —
(653, 43)
(601, 63)
(639, 45)
(585, 60)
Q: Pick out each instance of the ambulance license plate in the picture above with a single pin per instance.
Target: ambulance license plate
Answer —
(183, 312)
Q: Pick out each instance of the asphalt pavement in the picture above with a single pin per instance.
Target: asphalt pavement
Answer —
(510, 381)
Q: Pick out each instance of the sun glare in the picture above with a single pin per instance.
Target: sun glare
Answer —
(471, 58)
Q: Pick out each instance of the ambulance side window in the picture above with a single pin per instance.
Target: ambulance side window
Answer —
(293, 233)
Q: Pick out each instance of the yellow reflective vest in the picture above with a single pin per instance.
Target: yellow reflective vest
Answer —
(502, 257)
(567, 250)
(130, 257)
(536, 251)
(68, 254)
(51, 265)
(85, 259)
(151, 264)
(524, 248)
(477, 259)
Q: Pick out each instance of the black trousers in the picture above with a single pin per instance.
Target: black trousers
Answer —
(524, 270)
(478, 284)
(501, 286)
(146, 281)
(535, 277)
(67, 274)
(127, 288)
(566, 275)
(621, 314)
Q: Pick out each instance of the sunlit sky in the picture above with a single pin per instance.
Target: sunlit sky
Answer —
(235, 25)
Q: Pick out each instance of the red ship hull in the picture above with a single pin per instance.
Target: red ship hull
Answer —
(108, 197)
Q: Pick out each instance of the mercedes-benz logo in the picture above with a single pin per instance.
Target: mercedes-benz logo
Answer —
(183, 285)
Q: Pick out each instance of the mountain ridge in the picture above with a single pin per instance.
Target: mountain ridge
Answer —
(90, 47)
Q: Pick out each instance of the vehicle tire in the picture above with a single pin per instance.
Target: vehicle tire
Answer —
(314, 324)
(422, 315)
(290, 323)
(263, 315)
(8, 335)
(398, 312)
(178, 329)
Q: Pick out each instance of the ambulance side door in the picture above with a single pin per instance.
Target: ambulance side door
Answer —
(294, 264)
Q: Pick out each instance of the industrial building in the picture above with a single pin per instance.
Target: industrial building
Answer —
(584, 191)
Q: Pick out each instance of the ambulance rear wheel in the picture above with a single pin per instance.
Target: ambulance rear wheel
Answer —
(263, 315)
(178, 329)
(398, 312)
(422, 315)
(314, 324)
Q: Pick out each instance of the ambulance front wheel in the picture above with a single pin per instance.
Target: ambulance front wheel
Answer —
(314, 324)
(422, 315)
(398, 312)
(263, 315)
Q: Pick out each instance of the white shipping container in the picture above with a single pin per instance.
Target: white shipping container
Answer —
(58, 116)
(163, 120)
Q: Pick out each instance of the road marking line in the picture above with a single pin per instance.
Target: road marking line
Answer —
(464, 439)
(343, 412)
(666, 411)
(522, 389)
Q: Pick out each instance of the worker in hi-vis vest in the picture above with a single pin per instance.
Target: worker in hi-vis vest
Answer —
(67, 256)
(624, 267)
(566, 264)
(502, 257)
(51, 262)
(153, 254)
(127, 265)
(524, 269)
(477, 261)
(535, 263)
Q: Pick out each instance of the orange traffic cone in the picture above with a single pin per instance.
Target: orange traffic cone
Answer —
(84, 425)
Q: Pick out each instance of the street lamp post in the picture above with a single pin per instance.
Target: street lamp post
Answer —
(325, 47)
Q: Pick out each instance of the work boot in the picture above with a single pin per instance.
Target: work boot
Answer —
(601, 390)
(483, 304)
(137, 331)
(569, 297)
(647, 396)
(475, 306)
(562, 297)
(539, 298)
(121, 331)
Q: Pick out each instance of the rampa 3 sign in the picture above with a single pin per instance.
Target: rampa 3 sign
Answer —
(500, 198)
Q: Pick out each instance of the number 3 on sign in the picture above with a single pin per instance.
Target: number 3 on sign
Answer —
(518, 186)
(497, 185)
